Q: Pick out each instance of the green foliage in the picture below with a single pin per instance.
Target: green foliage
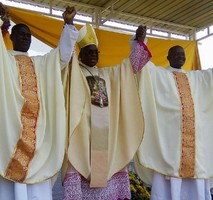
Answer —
(138, 190)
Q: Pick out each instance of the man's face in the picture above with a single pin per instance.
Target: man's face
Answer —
(89, 55)
(21, 39)
(176, 57)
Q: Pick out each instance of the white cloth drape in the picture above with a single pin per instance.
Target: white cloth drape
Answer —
(51, 127)
(179, 189)
(158, 159)
(18, 191)
(161, 146)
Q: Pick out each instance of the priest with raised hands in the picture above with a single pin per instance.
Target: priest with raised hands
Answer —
(106, 123)
(32, 110)
(176, 152)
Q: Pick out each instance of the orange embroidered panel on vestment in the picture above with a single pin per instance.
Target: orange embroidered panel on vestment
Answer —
(187, 161)
(25, 148)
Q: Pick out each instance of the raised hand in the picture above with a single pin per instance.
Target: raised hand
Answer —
(2, 9)
(4, 16)
(69, 15)
(141, 33)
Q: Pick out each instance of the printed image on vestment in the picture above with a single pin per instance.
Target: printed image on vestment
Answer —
(98, 91)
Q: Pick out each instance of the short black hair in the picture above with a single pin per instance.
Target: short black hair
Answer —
(171, 50)
(16, 27)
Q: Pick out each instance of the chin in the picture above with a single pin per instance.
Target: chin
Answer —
(93, 64)
(24, 50)
(90, 65)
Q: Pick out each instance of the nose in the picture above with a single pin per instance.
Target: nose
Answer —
(26, 36)
(182, 56)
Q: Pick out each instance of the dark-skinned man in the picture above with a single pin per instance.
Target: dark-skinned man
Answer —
(176, 57)
(33, 125)
(108, 124)
(176, 152)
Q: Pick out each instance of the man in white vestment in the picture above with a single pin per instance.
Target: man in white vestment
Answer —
(106, 123)
(32, 110)
(175, 156)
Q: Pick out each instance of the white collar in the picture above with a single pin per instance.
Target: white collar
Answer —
(172, 69)
(12, 52)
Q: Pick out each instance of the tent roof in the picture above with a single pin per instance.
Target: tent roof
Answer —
(184, 17)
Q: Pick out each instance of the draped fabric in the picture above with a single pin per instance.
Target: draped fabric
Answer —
(50, 125)
(159, 49)
(125, 133)
(164, 114)
(112, 45)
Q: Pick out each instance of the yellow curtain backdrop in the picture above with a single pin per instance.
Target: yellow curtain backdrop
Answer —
(114, 47)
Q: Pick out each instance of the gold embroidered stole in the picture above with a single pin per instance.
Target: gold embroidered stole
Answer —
(187, 161)
(25, 148)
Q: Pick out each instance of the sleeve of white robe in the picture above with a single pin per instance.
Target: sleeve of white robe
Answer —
(67, 44)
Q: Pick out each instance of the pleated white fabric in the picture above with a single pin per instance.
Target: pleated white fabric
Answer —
(18, 191)
(179, 189)
(51, 123)
(160, 149)
(158, 159)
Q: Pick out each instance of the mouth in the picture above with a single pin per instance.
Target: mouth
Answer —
(94, 60)
(181, 61)
(25, 44)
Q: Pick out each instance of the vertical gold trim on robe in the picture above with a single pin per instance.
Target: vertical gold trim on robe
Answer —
(25, 148)
(187, 161)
